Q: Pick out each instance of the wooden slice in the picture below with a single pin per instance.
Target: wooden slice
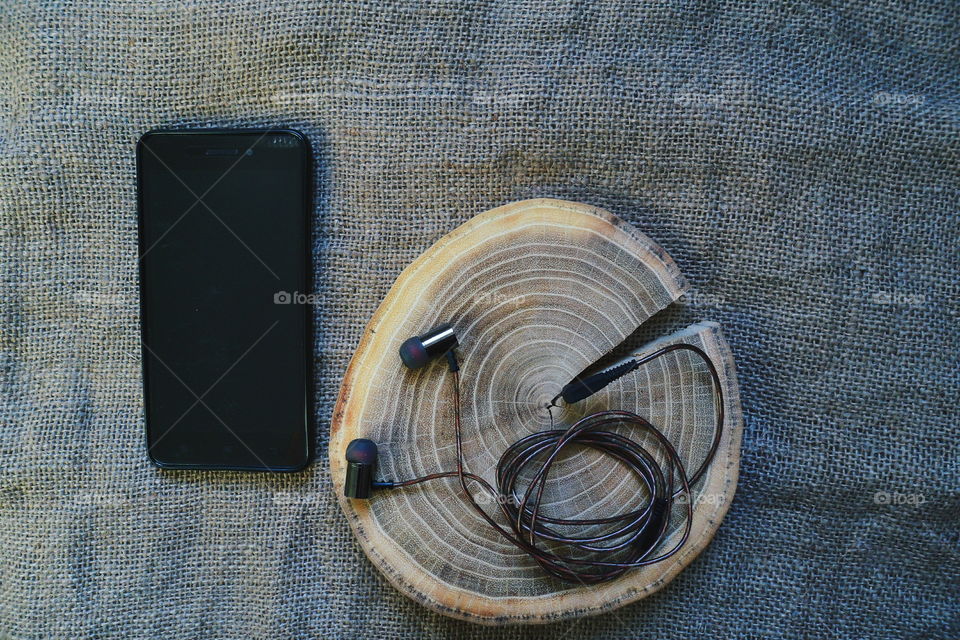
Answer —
(537, 291)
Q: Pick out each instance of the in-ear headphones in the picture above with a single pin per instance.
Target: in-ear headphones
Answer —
(417, 351)
(361, 454)
(633, 535)
(361, 466)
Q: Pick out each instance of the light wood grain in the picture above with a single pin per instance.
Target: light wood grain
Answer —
(537, 291)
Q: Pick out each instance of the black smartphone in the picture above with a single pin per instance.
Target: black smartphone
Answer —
(224, 262)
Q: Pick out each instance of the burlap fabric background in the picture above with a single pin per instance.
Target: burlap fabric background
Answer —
(799, 163)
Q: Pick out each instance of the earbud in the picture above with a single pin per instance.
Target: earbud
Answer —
(361, 466)
(420, 350)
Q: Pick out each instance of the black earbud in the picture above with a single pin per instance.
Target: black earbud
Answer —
(361, 466)
(417, 351)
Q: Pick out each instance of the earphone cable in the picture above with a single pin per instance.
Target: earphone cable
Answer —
(631, 537)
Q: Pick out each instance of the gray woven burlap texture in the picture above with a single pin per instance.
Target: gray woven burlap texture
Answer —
(800, 163)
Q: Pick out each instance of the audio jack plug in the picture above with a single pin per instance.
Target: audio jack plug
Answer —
(578, 389)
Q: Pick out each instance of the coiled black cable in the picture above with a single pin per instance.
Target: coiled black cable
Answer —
(626, 540)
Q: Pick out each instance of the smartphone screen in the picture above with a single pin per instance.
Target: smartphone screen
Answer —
(223, 261)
